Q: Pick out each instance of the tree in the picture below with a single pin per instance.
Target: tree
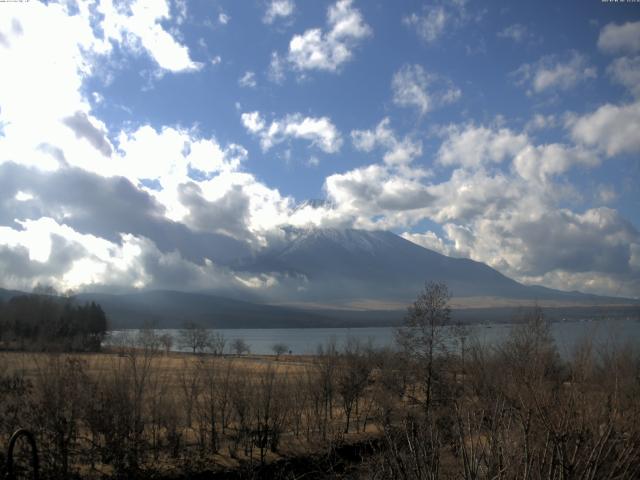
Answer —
(279, 349)
(353, 378)
(422, 334)
(217, 344)
(194, 337)
(240, 346)
(530, 352)
(166, 340)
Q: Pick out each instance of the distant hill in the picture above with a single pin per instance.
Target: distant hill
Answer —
(171, 309)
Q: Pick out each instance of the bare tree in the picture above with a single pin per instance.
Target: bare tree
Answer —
(217, 343)
(422, 335)
(166, 340)
(279, 349)
(353, 378)
(239, 346)
(194, 337)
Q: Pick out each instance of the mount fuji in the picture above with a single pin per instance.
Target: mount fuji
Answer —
(348, 266)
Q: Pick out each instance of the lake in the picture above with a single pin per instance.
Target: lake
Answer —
(306, 340)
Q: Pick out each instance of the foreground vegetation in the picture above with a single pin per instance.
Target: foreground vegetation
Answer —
(434, 408)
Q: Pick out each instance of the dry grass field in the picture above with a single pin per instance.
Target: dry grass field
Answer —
(507, 412)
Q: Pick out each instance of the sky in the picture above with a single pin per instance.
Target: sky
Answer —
(145, 144)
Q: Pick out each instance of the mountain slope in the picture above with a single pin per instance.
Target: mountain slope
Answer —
(342, 264)
(171, 309)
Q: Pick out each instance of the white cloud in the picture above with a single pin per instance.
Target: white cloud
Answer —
(320, 131)
(329, 50)
(223, 18)
(473, 146)
(541, 122)
(542, 162)
(428, 240)
(253, 122)
(437, 19)
(555, 73)
(430, 25)
(216, 60)
(33, 111)
(248, 79)
(611, 128)
(414, 87)
(278, 9)
(626, 71)
(140, 26)
(516, 32)
(620, 38)
(397, 152)
(277, 67)
(378, 196)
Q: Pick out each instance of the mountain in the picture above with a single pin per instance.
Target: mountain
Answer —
(346, 278)
(339, 265)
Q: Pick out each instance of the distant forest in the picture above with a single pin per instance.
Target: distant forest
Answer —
(45, 321)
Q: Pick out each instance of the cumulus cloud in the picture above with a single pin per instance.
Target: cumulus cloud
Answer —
(496, 207)
(377, 196)
(611, 128)
(542, 162)
(473, 146)
(328, 50)
(620, 38)
(278, 9)
(140, 25)
(397, 151)
(553, 72)
(515, 226)
(414, 87)
(626, 71)
(320, 131)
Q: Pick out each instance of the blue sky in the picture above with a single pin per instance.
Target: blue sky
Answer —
(502, 132)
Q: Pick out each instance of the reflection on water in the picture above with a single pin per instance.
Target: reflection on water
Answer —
(306, 340)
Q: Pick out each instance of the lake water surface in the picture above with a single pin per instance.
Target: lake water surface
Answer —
(306, 340)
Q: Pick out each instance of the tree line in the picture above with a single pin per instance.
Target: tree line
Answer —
(44, 321)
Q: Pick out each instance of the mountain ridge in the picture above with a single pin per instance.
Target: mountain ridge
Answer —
(343, 263)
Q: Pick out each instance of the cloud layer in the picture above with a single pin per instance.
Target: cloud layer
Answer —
(154, 202)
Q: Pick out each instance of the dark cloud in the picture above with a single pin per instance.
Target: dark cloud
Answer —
(228, 215)
(83, 128)
(20, 270)
(106, 207)
(597, 241)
